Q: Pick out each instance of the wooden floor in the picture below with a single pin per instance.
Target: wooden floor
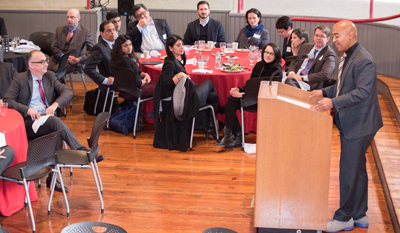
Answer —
(154, 190)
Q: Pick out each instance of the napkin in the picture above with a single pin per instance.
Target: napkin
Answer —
(39, 122)
(204, 71)
(226, 51)
(155, 53)
(25, 44)
(190, 61)
(2, 139)
(159, 65)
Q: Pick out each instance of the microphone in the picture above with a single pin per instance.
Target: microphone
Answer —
(275, 72)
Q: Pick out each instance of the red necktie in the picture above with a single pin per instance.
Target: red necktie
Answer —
(69, 36)
(42, 93)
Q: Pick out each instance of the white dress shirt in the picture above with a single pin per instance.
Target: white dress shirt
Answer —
(150, 38)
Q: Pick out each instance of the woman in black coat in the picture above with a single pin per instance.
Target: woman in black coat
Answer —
(169, 132)
(271, 61)
(122, 55)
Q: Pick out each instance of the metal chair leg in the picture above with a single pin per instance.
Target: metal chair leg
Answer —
(97, 101)
(105, 100)
(29, 205)
(241, 115)
(191, 135)
(83, 80)
(136, 118)
(98, 188)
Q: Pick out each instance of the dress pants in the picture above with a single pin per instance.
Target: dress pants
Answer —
(207, 93)
(52, 124)
(231, 119)
(353, 178)
(9, 154)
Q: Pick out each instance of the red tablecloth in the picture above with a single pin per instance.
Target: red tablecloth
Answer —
(222, 81)
(12, 195)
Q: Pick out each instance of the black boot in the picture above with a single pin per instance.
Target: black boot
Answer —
(227, 139)
(237, 142)
(210, 127)
(58, 187)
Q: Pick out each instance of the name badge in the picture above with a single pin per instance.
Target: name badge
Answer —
(288, 49)
(164, 36)
(256, 36)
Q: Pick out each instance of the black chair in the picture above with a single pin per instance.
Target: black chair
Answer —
(87, 159)
(249, 102)
(194, 120)
(90, 227)
(125, 80)
(218, 230)
(43, 40)
(41, 160)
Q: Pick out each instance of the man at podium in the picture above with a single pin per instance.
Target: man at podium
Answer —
(358, 118)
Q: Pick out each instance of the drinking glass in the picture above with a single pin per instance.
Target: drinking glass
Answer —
(16, 39)
(230, 62)
(3, 108)
(196, 44)
(222, 45)
(205, 59)
(253, 48)
(228, 47)
(251, 58)
(258, 54)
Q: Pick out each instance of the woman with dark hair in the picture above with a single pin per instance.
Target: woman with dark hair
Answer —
(254, 32)
(299, 37)
(122, 55)
(271, 62)
(171, 132)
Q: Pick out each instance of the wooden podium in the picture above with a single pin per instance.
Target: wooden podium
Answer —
(293, 160)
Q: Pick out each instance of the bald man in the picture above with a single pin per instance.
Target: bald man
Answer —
(71, 39)
(358, 118)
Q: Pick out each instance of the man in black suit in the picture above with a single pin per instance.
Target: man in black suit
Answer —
(34, 93)
(71, 38)
(319, 66)
(7, 72)
(358, 118)
(147, 33)
(204, 28)
(3, 29)
(284, 25)
(100, 57)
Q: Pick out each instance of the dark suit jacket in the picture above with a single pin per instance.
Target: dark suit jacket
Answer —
(357, 104)
(19, 94)
(136, 36)
(322, 67)
(3, 29)
(82, 37)
(285, 46)
(100, 57)
(7, 73)
(215, 32)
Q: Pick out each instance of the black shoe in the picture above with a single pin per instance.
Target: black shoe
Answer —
(83, 148)
(227, 139)
(58, 187)
(237, 142)
(211, 130)
(100, 158)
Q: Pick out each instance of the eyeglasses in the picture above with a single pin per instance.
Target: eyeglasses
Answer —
(320, 36)
(141, 14)
(268, 53)
(41, 62)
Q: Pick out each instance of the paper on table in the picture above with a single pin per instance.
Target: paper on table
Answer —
(189, 61)
(250, 148)
(292, 101)
(39, 122)
(2, 139)
(202, 71)
(159, 65)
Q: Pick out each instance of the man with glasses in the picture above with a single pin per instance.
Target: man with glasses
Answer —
(71, 39)
(204, 28)
(147, 33)
(33, 94)
(313, 71)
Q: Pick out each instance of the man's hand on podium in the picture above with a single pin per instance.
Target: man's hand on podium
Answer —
(324, 105)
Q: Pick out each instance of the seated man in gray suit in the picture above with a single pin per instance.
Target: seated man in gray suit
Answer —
(71, 39)
(147, 33)
(33, 93)
(100, 57)
(6, 157)
(319, 66)
(204, 28)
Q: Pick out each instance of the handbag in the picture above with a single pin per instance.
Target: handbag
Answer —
(123, 119)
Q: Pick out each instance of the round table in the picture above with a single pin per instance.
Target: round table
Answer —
(223, 81)
(18, 60)
(12, 195)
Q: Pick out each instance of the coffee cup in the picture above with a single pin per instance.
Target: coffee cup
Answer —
(200, 65)
(146, 54)
(235, 45)
(210, 44)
